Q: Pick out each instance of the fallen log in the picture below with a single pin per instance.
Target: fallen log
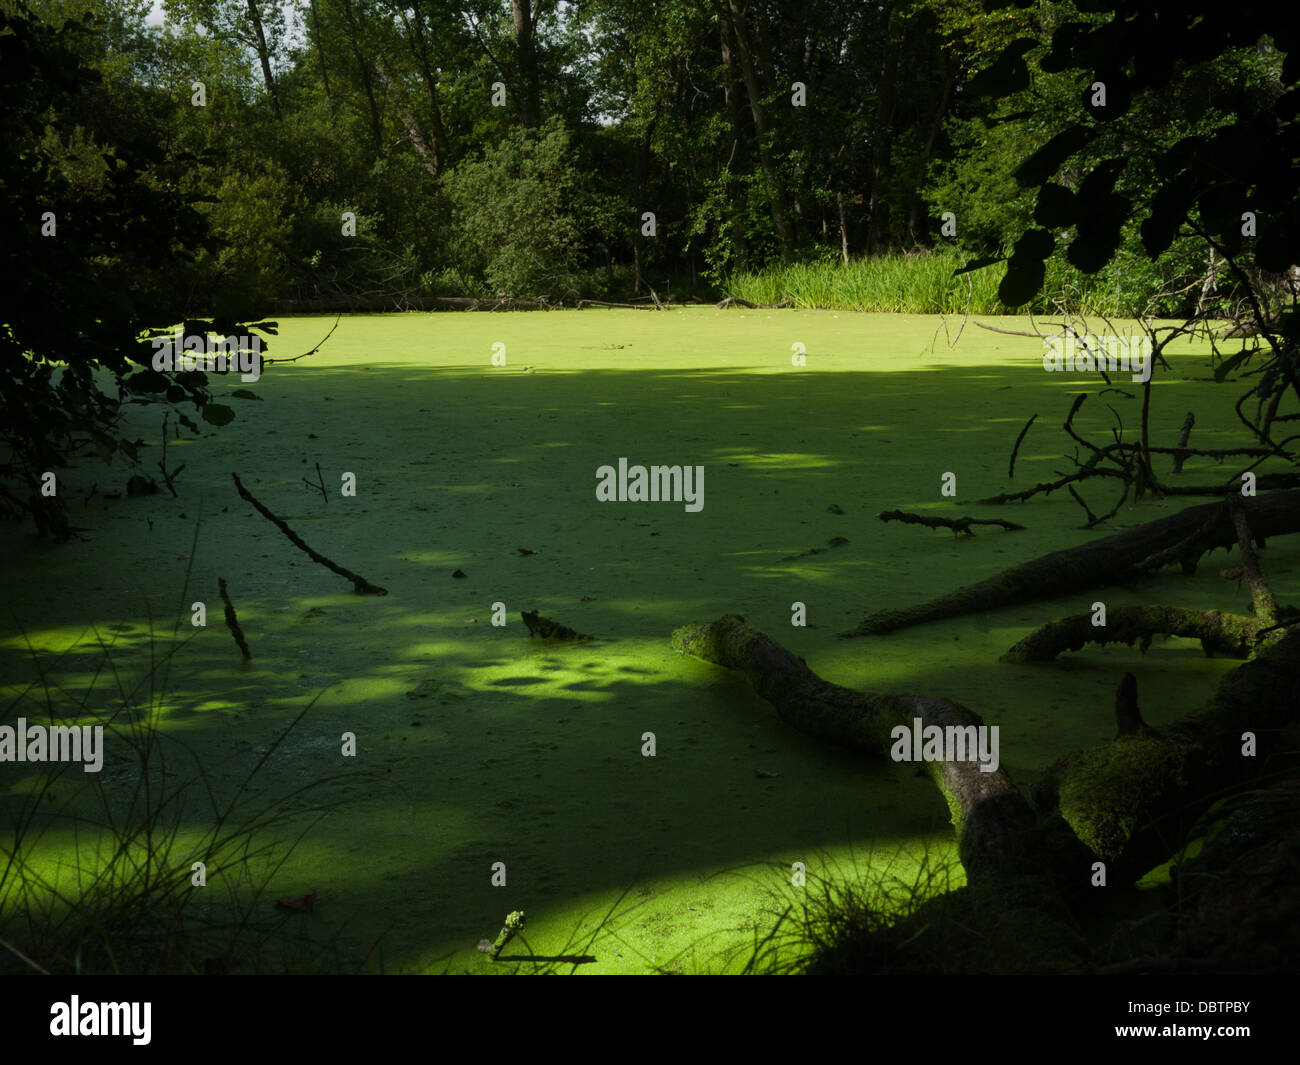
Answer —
(1230, 635)
(1019, 873)
(1131, 801)
(994, 823)
(1111, 560)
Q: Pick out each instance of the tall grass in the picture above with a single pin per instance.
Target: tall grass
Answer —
(923, 283)
(871, 920)
(97, 875)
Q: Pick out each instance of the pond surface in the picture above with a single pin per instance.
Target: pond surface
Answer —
(476, 744)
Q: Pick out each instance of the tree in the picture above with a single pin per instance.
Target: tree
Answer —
(100, 241)
(517, 212)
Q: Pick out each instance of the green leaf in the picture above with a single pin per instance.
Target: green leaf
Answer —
(1024, 279)
(1056, 207)
(1007, 75)
(1034, 245)
(217, 414)
(147, 381)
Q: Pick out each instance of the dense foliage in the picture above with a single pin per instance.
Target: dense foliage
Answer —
(100, 237)
(493, 146)
(248, 156)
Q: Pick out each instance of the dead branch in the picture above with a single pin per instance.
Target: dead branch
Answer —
(1011, 467)
(359, 583)
(232, 622)
(957, 525)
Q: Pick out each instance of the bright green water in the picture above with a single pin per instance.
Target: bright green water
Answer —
(530, 754)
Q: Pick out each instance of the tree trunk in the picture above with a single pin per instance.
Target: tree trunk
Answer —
(776, 197)
(914, 217)
(994, 824)
(882, 147)
(363, 70)
(526, 46)
(1101, 562)
(420, 48)
(320, 49)
(427, 156)
(263, 56)
(642, 177)
(844, 232)
(731, 91)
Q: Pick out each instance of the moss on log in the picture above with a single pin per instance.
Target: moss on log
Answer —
(1131, 800)
(1230, 635)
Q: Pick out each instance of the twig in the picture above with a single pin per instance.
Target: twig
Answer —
(943, 319)
(14, 950)
(321, 485)
(267, 362)
(1011, 467)
(1048, 487)
(1069, 427)
(162, 464)
(359, 583)
(232, 622)
(957, 525)
(1008, 332)
(1092, 518)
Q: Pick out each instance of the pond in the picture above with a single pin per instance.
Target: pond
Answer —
(471, 448)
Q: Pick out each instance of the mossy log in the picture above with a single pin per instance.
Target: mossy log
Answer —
(1110, 560)
(1230, 635)
(1131, 800)
(1020, 874)
(995, 825)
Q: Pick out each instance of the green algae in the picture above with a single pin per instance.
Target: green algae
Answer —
(531, 755)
